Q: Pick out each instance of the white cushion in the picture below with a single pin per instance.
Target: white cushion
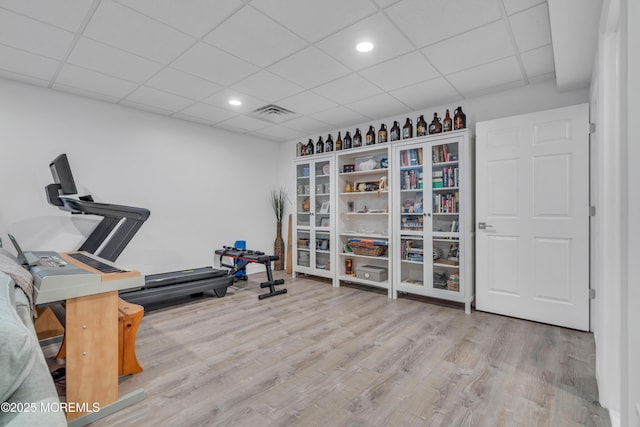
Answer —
(17, 344)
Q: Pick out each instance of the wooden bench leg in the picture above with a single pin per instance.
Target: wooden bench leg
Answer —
(129, 318)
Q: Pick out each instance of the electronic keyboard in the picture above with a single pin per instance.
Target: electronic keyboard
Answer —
(58, 276)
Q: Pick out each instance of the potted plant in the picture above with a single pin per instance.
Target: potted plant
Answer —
(278, 200)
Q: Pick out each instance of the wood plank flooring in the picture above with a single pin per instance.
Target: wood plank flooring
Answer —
(324, 356)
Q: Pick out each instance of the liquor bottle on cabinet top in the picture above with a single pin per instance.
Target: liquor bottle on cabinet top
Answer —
(395, 131)
(407, 129)
(459, 119)
(421, 126)
(435, 126)
(371, 136)
(320, 145)
(357, 139)
(382, 133)
(310, 147)
(447, 123)
(346, 144)
(339, 142)
(328, 145)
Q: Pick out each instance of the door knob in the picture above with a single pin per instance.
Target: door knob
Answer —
(484, 225)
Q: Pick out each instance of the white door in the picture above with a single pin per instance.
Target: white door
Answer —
(532, 216)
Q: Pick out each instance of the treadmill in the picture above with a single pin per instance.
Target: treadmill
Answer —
(114, 232)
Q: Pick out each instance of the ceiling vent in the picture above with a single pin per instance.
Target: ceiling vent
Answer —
(273, 113)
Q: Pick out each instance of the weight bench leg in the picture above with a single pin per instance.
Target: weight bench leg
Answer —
(271, 284)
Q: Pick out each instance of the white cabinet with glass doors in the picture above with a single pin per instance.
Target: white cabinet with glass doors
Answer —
(313, 224)
(433, 217)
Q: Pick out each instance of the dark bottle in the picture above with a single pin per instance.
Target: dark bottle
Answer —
(395, 131)
(459, 119)
(328, 146)
(407, 129)
(371, 136)
(382, 133)
(320, 145)
(421, 126)
(447, 123)
(435, 126)
(357, 139)
(346, 144)
(339, 142)
(310, 147)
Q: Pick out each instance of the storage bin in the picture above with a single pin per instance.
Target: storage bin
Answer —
(372, 272)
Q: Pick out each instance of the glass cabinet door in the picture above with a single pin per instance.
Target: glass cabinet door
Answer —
(414, 218)
(313, 225)
(303, 214)
(446, 216)
(322, 215)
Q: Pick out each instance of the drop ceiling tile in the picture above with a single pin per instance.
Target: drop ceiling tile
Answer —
(312, 19)
(33, 36)
(347, 89)
(85, 93)
(514, 6)
(210, 113)
(183, 84)
(112, 61)
(476, 47)
(385, 3)
(193, 119)
(88, 80)
(121, 27)
(214, 65)
(379, 106)
(531, 28)
(538, 61)
(252, 36)
(388, 43)
(306, 125)
(243, 123)
(24, 79)
(27, 64)
(277, 132)
(194, 17)
(144, 107)
(399, 72)
(432, 92)
(221, 100)
(427, 22)
(494, 74)
(340, 116)
(267, 86)
(309, 68)
(158, 99)
(306, 103)
(66, 14)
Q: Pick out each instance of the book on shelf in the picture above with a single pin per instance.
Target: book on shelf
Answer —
(411, 157)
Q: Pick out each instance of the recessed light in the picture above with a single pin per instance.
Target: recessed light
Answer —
(235, 102)
(364, 46)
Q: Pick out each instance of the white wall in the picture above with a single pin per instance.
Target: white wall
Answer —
(204, 187)
(630, 136)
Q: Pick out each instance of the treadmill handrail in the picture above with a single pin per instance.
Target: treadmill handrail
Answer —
(103, 209)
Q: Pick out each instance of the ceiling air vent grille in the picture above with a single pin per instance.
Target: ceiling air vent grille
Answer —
(273, 113)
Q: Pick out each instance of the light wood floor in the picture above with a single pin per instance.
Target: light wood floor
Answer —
(324, 356)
